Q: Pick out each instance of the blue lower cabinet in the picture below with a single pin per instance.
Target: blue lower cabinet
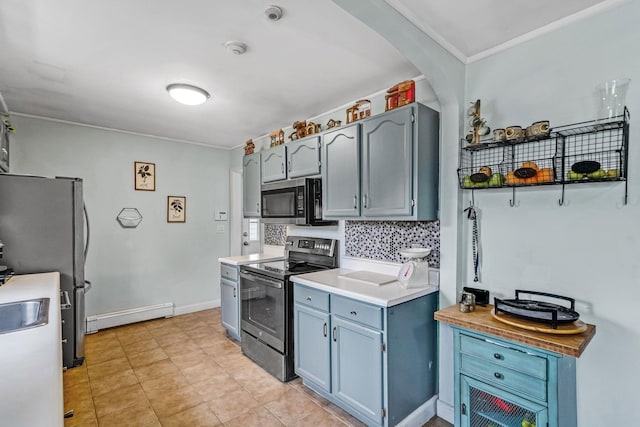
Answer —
(313, 345)
(357, 367)
(500, 383)
(377, 363)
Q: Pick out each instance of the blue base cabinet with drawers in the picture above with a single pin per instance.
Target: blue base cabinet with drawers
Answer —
(501, 383)
(377, 363)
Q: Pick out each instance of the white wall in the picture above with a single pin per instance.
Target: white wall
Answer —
(587, 249)
(157, 262)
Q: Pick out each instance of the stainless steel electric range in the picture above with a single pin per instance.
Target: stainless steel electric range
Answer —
(267, 302)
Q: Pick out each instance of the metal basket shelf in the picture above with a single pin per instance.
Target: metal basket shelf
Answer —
(602, 144)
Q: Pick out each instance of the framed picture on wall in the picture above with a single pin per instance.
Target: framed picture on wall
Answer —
(144, 176)
(176, 208)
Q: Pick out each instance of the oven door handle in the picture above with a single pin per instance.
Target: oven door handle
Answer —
(261, 280)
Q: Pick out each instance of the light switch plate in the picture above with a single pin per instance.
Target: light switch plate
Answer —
(221, 215)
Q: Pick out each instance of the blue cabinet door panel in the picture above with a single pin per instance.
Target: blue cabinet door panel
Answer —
(312, 346)
(357, 370)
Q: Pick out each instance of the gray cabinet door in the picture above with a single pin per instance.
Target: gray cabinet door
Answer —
(303, 157)
(251, 186)
(313, 346)
(387, 164)
(356, 352)
(229, 307)
(273, 164)
(341, 172)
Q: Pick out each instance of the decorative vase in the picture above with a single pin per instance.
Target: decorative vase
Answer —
(611, 96)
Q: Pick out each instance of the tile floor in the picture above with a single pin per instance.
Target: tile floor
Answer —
(184, 371)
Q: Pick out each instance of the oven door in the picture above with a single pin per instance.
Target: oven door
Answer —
(263, 309)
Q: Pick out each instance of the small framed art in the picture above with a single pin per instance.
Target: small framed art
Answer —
(176, 208)
(144, 176)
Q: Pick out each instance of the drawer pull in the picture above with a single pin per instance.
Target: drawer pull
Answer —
(498, 356)
(308, 298)
(498, 375)
(353, 313)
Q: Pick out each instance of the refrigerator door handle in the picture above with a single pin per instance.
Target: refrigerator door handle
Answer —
(87, 286)
(64, 295)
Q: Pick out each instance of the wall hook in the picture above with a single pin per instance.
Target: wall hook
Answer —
(561, 200)
(512, 201)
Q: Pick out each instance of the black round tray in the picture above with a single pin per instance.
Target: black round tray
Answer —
(538, 311)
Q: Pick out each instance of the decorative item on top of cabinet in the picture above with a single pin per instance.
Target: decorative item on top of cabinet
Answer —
(360, 110)
(585, 152)
(333, 123)
(312, 128)
(299, 130)
(277, 138)
(399, 95)
(478, 124)
(249, 147)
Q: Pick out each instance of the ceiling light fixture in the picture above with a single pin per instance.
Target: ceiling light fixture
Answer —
(187, 94)
(235, 47)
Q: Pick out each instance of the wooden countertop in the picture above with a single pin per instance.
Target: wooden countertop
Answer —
(481, 320)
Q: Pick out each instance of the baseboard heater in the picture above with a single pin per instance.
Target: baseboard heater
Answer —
(124, 317)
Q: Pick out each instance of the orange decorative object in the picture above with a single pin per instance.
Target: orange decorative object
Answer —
(277, 138)
(401, 94)
(359, 111)
(249, 147)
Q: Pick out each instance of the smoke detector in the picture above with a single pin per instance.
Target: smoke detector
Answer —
(274, 13)
(235, 47)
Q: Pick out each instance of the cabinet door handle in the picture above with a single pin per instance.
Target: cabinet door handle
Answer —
(353, 313)
(355, 202)
(335, 334)
(498, 356)
(289, 165)
(364, 201)
(324, 329)
(258, 207)
(234, 292)
(498, 375)
(282, 167)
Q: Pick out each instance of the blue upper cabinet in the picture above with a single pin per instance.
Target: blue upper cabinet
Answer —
(388, 167)
(251, 186)
(274, 164)
(303, 157)
(341, 172)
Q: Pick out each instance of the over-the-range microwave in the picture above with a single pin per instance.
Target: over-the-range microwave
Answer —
(297, 201)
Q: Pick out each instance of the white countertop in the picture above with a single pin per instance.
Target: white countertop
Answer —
(250, 259)
(384, 295)
(31, 359)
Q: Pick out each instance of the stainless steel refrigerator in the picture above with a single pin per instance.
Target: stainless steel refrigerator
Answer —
(42, 226)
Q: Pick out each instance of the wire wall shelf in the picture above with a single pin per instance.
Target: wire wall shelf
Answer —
(579, 153)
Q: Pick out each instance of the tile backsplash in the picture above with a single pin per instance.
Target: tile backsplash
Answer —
(275, 234)
(381, 240)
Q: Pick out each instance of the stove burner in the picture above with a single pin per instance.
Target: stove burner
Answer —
(538, 311)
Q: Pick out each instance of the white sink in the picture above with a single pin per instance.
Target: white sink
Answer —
(16, 316)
